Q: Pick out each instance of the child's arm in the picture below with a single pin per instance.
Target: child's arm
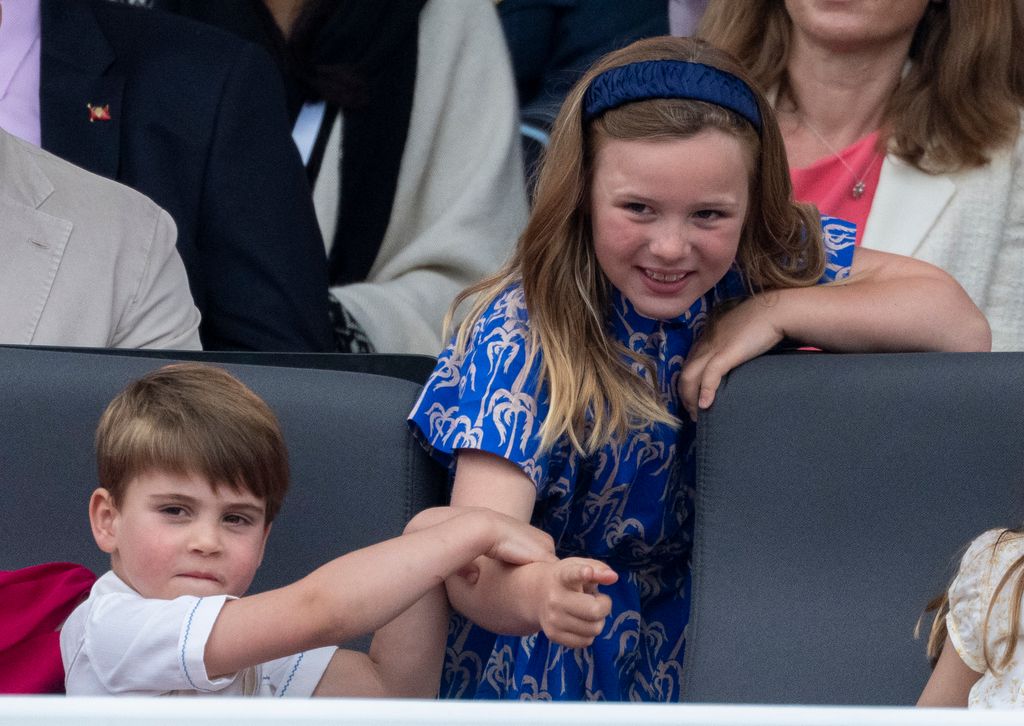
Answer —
(889, 303)
(950, 682)
(559, 598)
(363, 590)
(406, 655)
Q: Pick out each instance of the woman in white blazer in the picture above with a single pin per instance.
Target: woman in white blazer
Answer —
(903, 116)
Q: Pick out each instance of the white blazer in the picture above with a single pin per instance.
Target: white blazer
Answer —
(971, 224)
(85, 261)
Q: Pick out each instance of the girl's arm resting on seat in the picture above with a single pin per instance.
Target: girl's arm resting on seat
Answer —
(889, 303)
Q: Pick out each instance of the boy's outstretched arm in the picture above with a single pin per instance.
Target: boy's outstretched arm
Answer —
(406, 655)
(364, 590)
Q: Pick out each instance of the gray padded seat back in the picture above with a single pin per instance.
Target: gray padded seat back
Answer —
(835, 495)
(357, 473)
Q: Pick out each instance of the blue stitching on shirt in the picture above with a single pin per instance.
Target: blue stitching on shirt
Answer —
(184, 642)
(291, 675)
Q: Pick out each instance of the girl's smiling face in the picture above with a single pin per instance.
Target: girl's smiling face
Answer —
(667, 215)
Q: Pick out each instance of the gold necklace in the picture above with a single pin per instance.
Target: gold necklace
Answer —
(857, 191)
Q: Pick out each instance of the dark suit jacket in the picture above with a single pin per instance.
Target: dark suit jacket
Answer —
(198, 124)
(552, 43)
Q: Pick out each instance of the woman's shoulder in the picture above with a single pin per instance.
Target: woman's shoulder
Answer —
(1005, 159)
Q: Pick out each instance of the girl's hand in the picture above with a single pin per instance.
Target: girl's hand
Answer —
(572, 611)
(743, 333)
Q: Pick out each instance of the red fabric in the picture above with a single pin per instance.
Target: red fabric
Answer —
(827, 183)
(34, 603)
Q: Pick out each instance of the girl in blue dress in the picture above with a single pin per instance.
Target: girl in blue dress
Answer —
(663, 250)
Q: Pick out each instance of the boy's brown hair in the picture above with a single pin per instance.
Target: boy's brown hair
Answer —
(191, 418)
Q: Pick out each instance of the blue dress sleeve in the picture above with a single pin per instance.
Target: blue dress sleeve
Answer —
(839, 237)
(487, 398)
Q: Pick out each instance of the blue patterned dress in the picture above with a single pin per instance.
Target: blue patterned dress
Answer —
(630, 504)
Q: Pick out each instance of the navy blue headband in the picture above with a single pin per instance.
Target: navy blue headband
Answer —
(669, 79)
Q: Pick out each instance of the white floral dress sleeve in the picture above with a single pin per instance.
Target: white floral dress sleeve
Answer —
(970, 623)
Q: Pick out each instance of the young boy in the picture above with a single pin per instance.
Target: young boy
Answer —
(193, 469)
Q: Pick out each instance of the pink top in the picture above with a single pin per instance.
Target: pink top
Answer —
(19, 70)
(828, 184)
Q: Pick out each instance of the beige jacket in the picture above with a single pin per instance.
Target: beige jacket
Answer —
(85, 261)
(461, 201)
(971, 224)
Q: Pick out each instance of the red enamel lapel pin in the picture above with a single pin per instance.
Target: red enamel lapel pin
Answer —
(98, 113)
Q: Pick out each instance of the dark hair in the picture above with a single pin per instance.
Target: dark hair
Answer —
(191, 418)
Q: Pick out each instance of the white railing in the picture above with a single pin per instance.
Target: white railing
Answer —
(53, 710)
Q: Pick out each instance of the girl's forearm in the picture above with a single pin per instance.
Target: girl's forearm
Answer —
(503, 599)
(923, 312)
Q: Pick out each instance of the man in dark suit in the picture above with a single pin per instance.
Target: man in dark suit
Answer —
(553, 42)
(195, 119)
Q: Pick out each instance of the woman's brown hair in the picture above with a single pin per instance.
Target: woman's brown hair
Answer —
(594, 395)
(960, 99)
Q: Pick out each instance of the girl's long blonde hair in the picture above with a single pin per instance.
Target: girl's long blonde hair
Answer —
(940, 606)
(961, 98)
(593, 393)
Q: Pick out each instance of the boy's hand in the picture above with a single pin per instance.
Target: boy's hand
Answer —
(433, 516)
(516, 542)
(508, 540)
(572, 611)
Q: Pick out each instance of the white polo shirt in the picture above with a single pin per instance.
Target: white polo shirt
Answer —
(118, 642)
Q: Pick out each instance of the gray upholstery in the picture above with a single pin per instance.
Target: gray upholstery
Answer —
(835, 494)
(411, 366)
(357, 473)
